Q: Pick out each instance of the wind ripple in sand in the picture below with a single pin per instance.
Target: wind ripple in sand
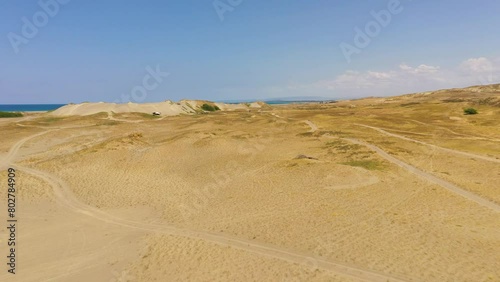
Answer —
(66, 198)
(352, 179)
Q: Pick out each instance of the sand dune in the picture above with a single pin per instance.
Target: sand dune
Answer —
(166, 108)
(225, 197)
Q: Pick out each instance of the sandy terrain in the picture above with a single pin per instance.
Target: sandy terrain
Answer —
(166, 108)
(397, 189)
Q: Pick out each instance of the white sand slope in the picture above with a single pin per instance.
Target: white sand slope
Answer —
(166, 108)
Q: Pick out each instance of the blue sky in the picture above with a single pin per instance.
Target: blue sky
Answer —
(242, 49)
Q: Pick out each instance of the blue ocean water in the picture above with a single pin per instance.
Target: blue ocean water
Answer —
(29, 107)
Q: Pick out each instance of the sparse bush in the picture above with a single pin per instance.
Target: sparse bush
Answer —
(210, 108)
(470, 111)
(366, 164)
(454, 100)
(10, 114)
(410, 104)
(135, 135)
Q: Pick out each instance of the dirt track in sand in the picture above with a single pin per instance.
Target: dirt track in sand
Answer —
(65, 197)
(434, 146)
(278, 217)
(427, 176)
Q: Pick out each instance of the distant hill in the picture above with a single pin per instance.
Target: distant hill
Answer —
(283, 100)
(479, 94)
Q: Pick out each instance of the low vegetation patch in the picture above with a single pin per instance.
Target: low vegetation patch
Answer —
(305, 134)
(470, 111)
(366, 164)
(343, 146)
(486, 101)
(210, 108)
(10, 114)
(50, 119)
(454, 100)
(100, 115)
(109, 123)
(135, 135)
(148, 116)
(410, 104)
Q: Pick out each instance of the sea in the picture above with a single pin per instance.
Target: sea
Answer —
(29, 107)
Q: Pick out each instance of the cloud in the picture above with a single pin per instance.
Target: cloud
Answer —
(405, 75)
(410, 79)
(477, 65)
(401, 79)
(422, 69)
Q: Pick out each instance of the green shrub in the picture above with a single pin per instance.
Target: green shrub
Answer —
(209, 108)
(470, 111)
(10, 114)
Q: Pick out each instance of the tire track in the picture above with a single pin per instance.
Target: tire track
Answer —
(313, 126)
(65, 197)
(431, 145)
(15, 148)
(429, 177)
(464, 136)
(70, 202)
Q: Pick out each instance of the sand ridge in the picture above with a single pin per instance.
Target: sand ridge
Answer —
(166, 108)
